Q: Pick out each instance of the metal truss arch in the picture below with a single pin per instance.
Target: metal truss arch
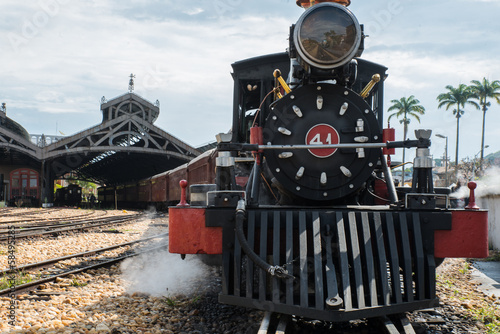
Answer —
(127, 132)
(12, 141)
(125, 147)
(111, 150)
(119, 150)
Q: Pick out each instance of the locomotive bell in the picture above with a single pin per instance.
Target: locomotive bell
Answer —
(309, 3)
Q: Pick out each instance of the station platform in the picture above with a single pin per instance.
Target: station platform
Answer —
(488, 275)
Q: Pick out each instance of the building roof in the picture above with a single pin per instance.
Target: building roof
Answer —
(125, 147)
(13, 126)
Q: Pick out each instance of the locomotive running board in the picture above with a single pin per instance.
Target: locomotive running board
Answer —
(347, 264)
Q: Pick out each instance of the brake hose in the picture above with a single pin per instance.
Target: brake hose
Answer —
(278, 271)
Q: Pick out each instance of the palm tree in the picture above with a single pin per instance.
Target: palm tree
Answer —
(406, 107)
(459, 96)
(484, 90)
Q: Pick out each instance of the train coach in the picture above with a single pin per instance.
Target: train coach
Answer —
(163, 189)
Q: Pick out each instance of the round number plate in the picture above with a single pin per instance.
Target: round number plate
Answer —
(322, 134)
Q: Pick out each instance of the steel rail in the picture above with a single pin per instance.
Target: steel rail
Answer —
(30, 285)
(68, 222)
(393, 324)
(82, 254)
(74, 228)
(274, 323)
(14, 214)
(40, 221)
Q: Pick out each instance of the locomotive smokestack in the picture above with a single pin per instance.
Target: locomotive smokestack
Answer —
(309, 3)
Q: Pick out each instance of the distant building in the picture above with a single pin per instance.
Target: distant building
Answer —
(20, 177)
(125, 147)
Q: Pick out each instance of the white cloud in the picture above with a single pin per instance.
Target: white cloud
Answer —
(181, 54)
(194, 11)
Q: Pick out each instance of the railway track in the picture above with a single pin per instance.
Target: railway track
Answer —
(40, 220)
(273, 323)
(52, 277)
(14, 212)
(25, 224)
(64, 225)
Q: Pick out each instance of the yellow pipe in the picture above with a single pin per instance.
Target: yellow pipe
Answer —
(409, 162)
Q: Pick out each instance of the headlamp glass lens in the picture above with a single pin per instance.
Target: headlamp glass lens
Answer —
(328, 35)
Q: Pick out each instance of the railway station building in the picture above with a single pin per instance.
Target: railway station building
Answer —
(125, 147)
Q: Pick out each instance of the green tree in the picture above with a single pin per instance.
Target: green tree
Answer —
(484, 90)
(406, 108)
(458, 97)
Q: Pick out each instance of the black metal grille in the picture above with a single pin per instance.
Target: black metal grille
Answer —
(371, 262)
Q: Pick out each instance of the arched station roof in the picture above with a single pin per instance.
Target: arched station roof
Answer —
(125, 147)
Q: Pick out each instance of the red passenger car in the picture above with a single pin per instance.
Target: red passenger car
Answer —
(144, 191)
(131, 193)
(159, 188)
(173, 189)
(201, 170)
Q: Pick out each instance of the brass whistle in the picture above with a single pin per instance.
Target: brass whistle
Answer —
(366, 91)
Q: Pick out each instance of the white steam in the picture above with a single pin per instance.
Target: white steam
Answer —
(160, 273)
(149, 214)
(489, 184)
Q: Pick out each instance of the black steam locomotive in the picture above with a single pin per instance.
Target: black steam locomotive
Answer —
(320, 231)
(70, 195)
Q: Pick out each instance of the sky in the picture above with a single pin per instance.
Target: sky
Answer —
(59, 57)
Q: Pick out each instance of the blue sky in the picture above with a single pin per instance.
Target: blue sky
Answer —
(59, 57)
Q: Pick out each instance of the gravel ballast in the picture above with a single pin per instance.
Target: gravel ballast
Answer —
(134, 298)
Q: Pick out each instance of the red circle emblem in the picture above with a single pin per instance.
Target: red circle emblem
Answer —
(322, 134)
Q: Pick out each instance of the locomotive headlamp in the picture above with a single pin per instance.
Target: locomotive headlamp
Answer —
(327, 36)
(309, 3)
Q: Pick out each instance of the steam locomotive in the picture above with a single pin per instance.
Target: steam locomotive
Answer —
(319, 230)
(70, 195)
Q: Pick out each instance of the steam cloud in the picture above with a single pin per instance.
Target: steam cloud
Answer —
(164, 274)
(488, 185)
(160, 273)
